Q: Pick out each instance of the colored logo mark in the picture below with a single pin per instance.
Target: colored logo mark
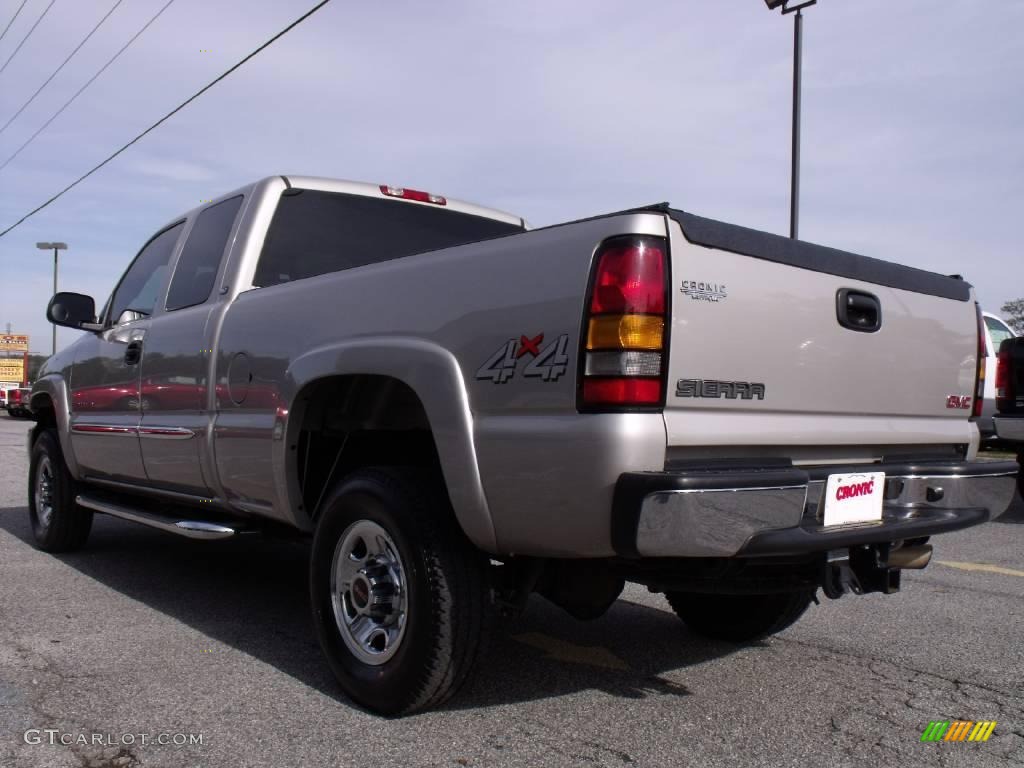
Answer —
(529, 345)
(958, 730)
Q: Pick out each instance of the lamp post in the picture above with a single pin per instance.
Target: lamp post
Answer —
(56, 247)
(794, 171)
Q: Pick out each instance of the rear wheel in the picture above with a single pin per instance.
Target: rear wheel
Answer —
(58, 523)
(399, 594)
(739, 618)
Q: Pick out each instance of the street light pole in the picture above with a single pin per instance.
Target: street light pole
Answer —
(798, 43)
(54, 342)
(56, 247)
(794, 171)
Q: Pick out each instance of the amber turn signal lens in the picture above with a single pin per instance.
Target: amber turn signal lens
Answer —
(625, 332)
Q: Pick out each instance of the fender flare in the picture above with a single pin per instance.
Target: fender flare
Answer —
(434, 375)
(55, 387)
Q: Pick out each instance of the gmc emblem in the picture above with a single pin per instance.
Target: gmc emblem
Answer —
(958, 401)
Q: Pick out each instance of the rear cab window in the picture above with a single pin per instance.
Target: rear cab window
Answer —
(314, 232)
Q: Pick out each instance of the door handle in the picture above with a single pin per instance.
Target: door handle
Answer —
(133, 354)
(858, 310)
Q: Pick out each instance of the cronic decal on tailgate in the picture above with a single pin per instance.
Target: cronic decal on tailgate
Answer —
(548, 363)
(745, 390)
(702, 291)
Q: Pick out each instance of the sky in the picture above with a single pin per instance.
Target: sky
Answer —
(912, 139)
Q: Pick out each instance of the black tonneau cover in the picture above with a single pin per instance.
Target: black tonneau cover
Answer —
(819, 258)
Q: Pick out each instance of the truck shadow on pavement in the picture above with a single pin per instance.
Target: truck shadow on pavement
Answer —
(252, 595)
(1015, 514)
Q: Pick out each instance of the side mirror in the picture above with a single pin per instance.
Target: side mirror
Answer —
(73, 310)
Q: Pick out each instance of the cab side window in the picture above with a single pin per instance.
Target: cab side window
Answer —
(200, 258)
(138, 288)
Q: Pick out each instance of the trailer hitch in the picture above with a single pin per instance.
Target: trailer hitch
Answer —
(861, 570)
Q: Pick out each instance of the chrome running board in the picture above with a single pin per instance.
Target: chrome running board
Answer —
(192, 529)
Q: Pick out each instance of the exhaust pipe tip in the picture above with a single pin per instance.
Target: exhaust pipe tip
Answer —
(911, 558)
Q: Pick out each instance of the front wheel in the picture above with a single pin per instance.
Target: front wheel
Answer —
(399, 594)
(739, 618)
(58, 523)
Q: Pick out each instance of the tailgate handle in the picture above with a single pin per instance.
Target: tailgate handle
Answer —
(858, 311)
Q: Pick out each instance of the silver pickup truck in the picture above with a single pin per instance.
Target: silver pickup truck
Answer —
(460, 412)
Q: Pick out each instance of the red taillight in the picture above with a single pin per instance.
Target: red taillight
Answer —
(624, 329)
(979, 378)
(1006, 387)
(630, 279)
(621, 391)
(1003, 373)
(412, 194)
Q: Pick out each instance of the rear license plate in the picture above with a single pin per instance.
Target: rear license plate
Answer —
(854, 498)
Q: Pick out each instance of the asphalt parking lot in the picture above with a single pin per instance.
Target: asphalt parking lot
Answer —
(157, 637)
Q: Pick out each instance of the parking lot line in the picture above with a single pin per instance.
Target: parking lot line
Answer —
(562, 650)
(982, 567)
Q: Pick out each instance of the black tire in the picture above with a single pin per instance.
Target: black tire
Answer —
(59, 525)
(445, 587)
(739, 618)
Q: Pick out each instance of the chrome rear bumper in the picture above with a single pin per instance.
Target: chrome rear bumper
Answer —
(1009, 427)
(775, 511)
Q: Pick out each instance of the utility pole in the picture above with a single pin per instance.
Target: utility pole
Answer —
(56, 248)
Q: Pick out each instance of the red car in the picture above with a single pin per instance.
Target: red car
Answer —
(173, 393)
(17, 402)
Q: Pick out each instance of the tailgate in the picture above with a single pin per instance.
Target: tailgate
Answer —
(759, 355)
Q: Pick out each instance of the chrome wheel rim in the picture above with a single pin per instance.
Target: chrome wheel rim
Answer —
(368, 592)
(44, 492)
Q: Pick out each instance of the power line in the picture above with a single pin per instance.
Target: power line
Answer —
(170, 114)
(89, 82)
(12, 19)
(26, 37)
(58, 69)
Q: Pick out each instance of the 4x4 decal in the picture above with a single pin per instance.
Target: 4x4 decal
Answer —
(549, 362)
(501, 365)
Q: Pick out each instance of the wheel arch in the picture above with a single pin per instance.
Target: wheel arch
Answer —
(402, 386)
(50, 409)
